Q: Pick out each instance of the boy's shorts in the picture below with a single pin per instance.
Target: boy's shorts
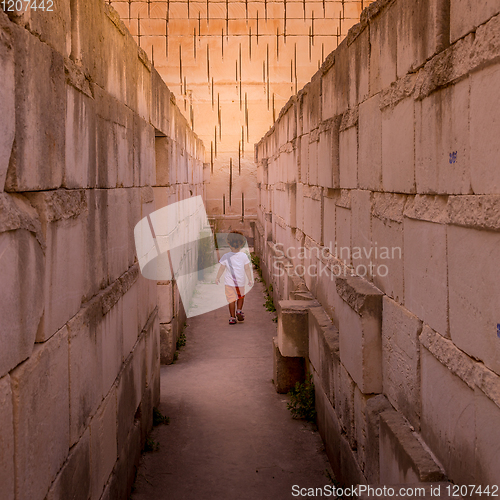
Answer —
(232, 294)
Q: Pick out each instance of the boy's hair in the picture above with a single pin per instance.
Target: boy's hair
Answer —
(236, 239)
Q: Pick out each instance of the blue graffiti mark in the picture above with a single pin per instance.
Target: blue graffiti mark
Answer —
(453, 157)
(498, 330)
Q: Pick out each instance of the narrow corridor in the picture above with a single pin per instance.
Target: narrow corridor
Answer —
(230, 434)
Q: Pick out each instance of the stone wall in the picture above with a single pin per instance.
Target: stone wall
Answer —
(81, 110)
(384, 170)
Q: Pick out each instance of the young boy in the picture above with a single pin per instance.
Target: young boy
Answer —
(236, 264)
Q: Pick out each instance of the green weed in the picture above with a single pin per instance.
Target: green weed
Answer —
(301, 403)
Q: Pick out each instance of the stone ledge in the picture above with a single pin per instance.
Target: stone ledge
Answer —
(407, 448)
(360, 295)
(114, 292)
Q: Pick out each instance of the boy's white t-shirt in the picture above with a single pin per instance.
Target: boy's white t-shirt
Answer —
(235, 266)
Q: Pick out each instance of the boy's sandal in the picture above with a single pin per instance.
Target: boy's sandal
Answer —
(232, 321)
(240, 316)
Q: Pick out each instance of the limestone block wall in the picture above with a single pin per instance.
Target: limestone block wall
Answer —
(81, 109)
(385, 167)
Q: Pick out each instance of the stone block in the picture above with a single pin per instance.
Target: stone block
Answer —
(328, 156)
(474, 316)
(323, 347)
(103, 443)
(131, 327)
(442, 141)
(131, 386)
(361, 236)
(342, 78)
(167, 344)
(73, 481)
(312, 213)
(7, 98)
(329, 222)
(80, 140)
(293, 327)
(38, 157)
(287, 371)
(343, 233)
(40, 394)
(383, 54)
(329, 427)
(348, 158)
(398, 163)
(165, 302)
(117, 240)
(448, 418)
(403, 459)
(388, 276)
(144, 157)
(484, 129)
(21, 295)
(112, 345)
(6, 440)
(487, 469)
(328, 104)
(361, 427)
(370, 145)
(152, 337)
(401, 360)
(344, 401)
(123, 477)
(467, 15)
(163, 150)
(63, 217)
(373, 408)
(430, 19)
(360, 321)
(85, 367)
(359, 68)
(425, 273)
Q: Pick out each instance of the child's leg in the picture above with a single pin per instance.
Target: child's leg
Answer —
(240, 303)
(232, 309)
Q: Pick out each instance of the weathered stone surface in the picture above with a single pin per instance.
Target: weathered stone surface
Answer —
(152, 334)
(388, 272)
(80, 140)
(487, 440)
(442, 141)
(398, 163)
(427, 208)
(287, 371)
(165, 302)
(131, 327)
(361, 235)
(359, 64)
(484, 129)
(6, 440)
(383, 54)
(348, 158)
(370, 145)
(374, 406)
(73, 481)
(475, 211)
(167, 344)
(466, 15)
(401, 360)
(112, 345)
(413, 16)
(448, 418)
(85, 367)
(293, 327)
(21, 304)
(470, 293)
(103, 443)
(425, 276)
(38, 157)
(323, 347)
(403, 459)
(7, 97)
(360, 295)
(131, 386)
(41, 416)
